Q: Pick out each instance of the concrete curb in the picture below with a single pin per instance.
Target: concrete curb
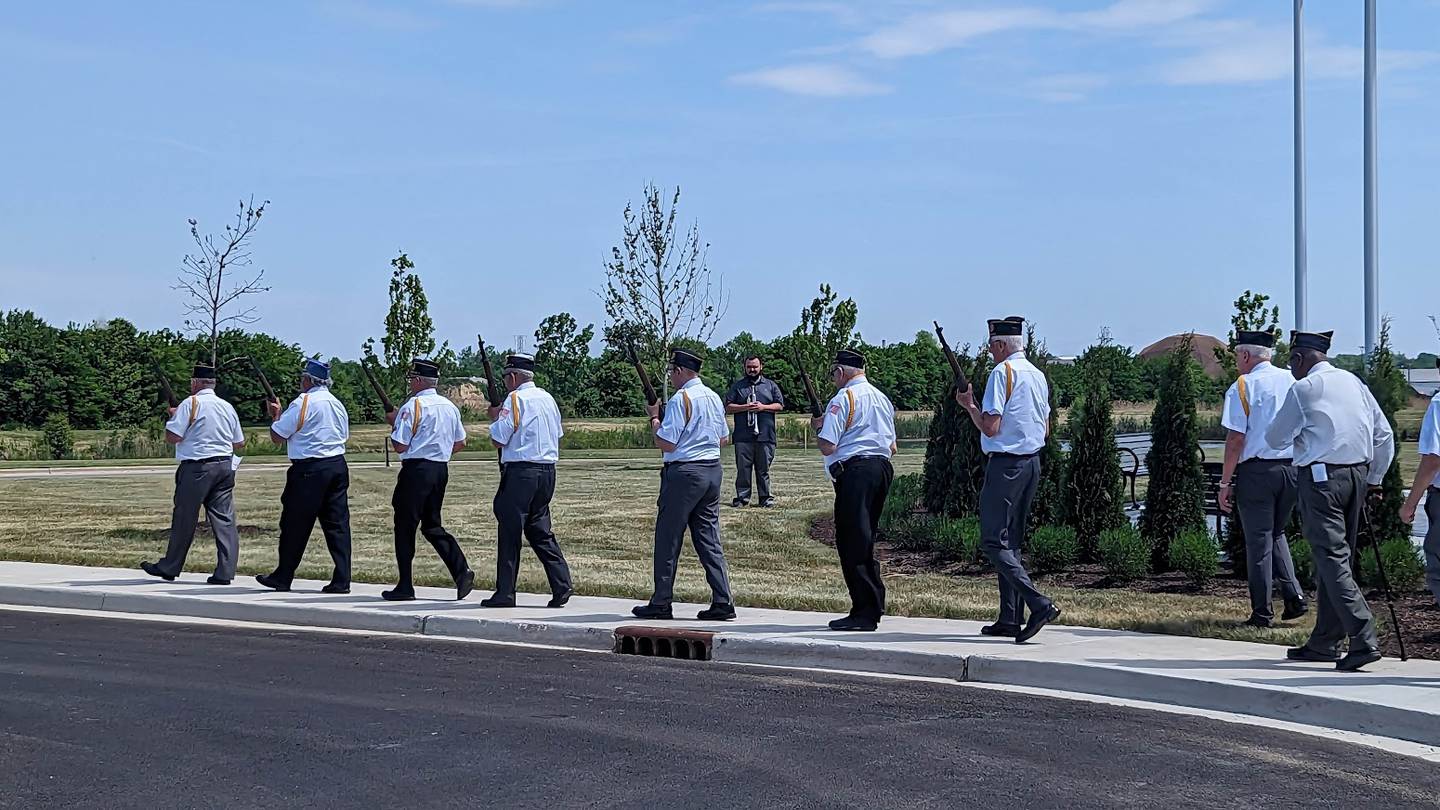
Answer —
(734, 646)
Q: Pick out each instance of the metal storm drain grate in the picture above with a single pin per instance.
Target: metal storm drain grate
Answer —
(664, 642)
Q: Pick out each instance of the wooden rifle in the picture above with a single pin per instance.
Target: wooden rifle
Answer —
(962, 383)
(492, 391)
(808, 385)
(169, 392)
(375, 386)
(646, 384)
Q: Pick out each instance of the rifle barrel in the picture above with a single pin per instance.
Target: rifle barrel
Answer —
(809, 386)
(375, 384)
(170, 398)
(962, 384)
(491, 389)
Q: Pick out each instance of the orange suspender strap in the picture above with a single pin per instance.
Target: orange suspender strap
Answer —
(1009, 382)
(850, 415)
(1244, 396)
(515, 409)
(194, 406)
(685, 397)
(304, 404)
(415, 423)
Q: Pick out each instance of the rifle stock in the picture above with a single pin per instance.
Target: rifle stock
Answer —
(375, 385)
(260, 376)
(646, 385)
(962, 383)
(808, 385)
(491, 389)
(170, 398)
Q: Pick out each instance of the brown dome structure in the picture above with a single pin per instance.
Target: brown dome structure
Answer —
(1202, 348)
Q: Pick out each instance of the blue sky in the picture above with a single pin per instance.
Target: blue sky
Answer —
(1087, 163)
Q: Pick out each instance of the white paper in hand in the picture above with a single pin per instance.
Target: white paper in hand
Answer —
(235, 462)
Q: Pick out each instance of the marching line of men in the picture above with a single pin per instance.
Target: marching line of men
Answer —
(1313, 436)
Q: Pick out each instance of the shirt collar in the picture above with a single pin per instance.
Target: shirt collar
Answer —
(692, 382)
(1263, 365)
(428, 392)
(1322, 366)
(524, 385)
(204, 392)
(858, 378)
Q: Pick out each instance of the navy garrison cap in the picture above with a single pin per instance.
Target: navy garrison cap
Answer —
(1005, 327)
(421, 367)
(680, 358)
(317, 370)
(519, 362)
(850, 357)
(1319, 341)
(1246, 337)
(203, 372)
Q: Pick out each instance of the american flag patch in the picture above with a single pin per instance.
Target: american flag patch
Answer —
(835, 409)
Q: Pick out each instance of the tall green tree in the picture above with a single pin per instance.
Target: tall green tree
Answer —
(409, 330)
(1391, 391)
(1175, 496)
(826, 326)
(1093, 489)
(1047, 508)
(562, 359)
(1253, 313)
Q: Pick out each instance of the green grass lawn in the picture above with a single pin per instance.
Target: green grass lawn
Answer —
(604, 517)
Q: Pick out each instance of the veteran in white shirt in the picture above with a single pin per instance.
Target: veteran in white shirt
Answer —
(1343, 447)
(856, 435)
(314, 429)
(1260, 480)
(526, 429)
(206, 433)
(427, 432)
(1425, 482)
(689, 436)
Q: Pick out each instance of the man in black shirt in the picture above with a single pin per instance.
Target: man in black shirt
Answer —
(754, 400)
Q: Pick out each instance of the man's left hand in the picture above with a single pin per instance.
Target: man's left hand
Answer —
(653, 409)
(493, 412)
(1375, 494)
(273, 408)
(816, 423)
(965, 399)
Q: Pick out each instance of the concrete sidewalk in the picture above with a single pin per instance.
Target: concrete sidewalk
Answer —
(1391, 699)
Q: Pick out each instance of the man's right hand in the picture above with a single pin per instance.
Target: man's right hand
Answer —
(390, 417)
(1407, 511)
(965, 399)
(1223, 499)
(171, 411)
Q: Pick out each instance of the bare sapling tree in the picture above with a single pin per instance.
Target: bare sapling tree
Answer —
(215, 278)
(657, 283)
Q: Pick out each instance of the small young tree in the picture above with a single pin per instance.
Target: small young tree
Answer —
(1093, 489)
(409, 330)
(657, 283)
(1252, 314)
(1175, 497)
(1388, 385)
(562, 358)
(207, 277)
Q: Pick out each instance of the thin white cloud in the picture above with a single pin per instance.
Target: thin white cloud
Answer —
(1066, 87)
(1240, 52)
(826, 81)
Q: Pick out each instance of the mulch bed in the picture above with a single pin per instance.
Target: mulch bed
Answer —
(1419, 616)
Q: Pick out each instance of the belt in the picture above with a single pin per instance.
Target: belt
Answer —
(1259, 460)
(838, 468)
(1327, 465)
(529, 465)
(413, 462)
(318, 459)
(210, 460)
(1015, 455)
(695, 461)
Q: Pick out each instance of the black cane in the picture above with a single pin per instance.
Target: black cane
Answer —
(1384, 580)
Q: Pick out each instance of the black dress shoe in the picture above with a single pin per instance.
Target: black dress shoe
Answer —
(1294, 610)
(1037, 621)
(1304, 653)
(269, 581)
(652, 612)
(154, 570)
(737, 503)
(1256, 621)
(1355, 659)
(767, 503)
(717, 613)
(335, 587)
(465, 585)
(998, 629)
(214, 580)
(853, 623)
(559, 600)
(398, 595)
(498, 602)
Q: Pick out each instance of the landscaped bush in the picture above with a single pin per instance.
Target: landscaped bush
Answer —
(958, 538)
(1124, 553)
(1304, 563)
(904, 496)
(1053, 548)
(1195, 554)
(1403, 564)
(58, 439)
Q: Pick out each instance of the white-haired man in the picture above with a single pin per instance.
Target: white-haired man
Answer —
(1259, 480)
(314, 429)
(1013, 422)
(526, 428)
(206, 433)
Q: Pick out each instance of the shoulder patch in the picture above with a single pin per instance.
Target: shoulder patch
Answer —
(835, 409)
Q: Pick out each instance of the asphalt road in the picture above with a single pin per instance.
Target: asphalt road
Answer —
(114, 713)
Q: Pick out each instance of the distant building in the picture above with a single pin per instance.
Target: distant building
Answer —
(1424, 381)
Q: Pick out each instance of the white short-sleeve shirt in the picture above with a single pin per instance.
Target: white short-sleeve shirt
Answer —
(1251, 405)
(315, 425)
(429, 426)
(529, 426)
(1018, 392)
(1332, 418)
(1430, 431)
(694, 422)
(208, 427)
(859, 421)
